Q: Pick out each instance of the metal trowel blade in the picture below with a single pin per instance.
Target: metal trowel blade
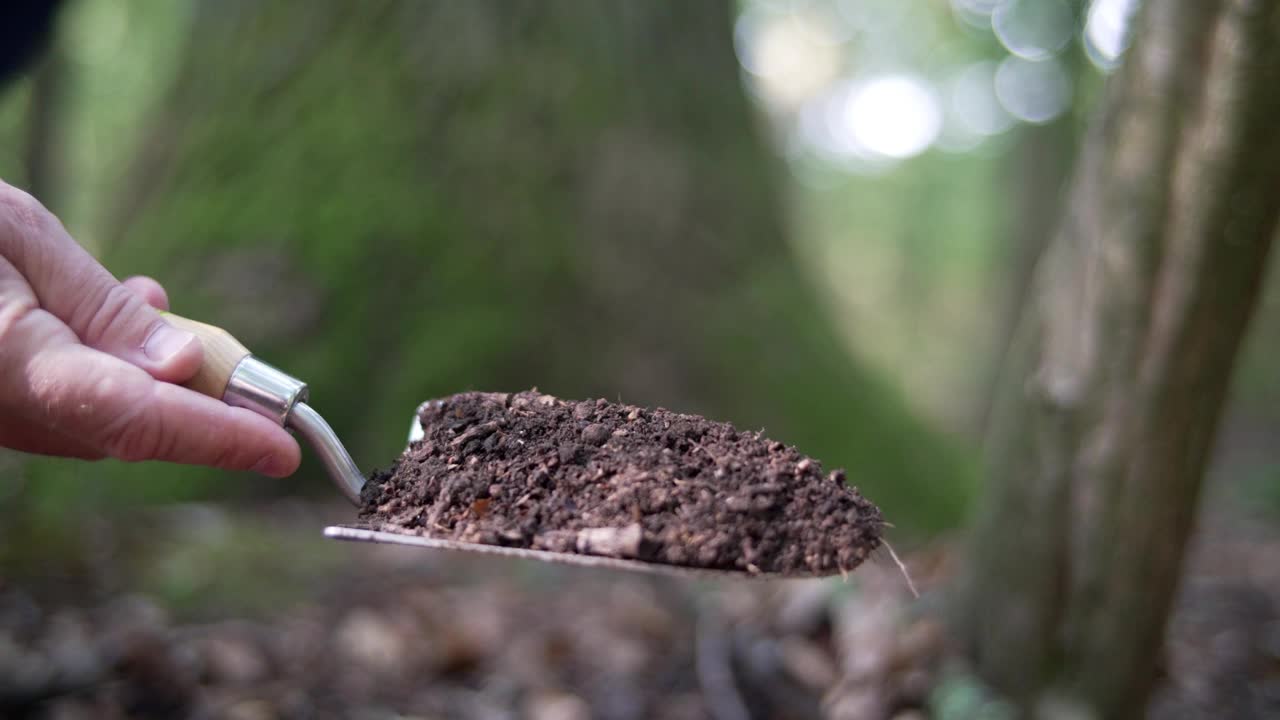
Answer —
(359, 533)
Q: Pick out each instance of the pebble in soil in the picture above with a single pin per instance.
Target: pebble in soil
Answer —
(529, 470)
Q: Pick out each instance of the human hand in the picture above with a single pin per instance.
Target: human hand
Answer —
(88, 366)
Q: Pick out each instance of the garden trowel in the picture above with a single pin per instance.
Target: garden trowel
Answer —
(235, 376)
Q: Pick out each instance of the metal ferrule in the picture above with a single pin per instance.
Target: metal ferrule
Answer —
(264, 389)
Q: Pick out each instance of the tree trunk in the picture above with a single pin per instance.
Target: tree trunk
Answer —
(397, 200)
(1036, 173)
(1038, 167)
(1102, 437)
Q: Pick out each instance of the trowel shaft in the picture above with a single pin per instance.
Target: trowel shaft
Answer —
(337, 461)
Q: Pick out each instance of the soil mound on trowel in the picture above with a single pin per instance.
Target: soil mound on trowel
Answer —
(529, 470)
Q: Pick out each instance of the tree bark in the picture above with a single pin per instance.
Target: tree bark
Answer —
(398, 200)
(1037, 170)
(1103, 435)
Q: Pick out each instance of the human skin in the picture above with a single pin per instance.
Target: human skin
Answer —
(89, 368)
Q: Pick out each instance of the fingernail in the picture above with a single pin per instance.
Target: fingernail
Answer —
(165, 342)
(270, 466)
(265, 465)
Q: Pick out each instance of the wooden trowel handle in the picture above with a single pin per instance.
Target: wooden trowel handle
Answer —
(222, 353)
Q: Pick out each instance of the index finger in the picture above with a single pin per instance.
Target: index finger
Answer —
(118, 408)
(69, 283)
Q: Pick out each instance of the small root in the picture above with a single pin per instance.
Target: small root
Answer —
(910, 585)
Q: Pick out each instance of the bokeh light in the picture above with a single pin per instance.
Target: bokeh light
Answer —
(973, 112)
(1032, 91)
(791, 57)
(975, 13)
(865, 84)
(1033, 29)
(1106, 31)
(868, 126)
(896, 116)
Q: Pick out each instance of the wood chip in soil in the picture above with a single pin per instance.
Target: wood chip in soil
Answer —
(529, 470)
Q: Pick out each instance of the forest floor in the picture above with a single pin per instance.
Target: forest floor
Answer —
(246, 613)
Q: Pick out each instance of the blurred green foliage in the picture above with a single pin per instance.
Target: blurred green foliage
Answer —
(404, 200)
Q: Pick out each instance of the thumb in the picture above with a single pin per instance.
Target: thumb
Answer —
(71, 285)
(111, 318)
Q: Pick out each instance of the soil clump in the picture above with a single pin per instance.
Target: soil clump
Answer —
(530, 470)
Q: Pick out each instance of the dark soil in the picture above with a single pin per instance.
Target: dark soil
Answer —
(529, 470)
